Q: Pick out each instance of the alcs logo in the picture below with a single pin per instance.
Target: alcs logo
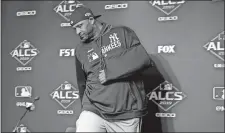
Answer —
(167, 7)
(65, 95)
(66, 8)
(24, 53)
(166, 96)
(216, 47)
(21, 129)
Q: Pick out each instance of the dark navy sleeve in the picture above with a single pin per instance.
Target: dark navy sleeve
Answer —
(133, 59)
(81, 77)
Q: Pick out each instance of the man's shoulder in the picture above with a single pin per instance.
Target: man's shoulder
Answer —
(78, 45)
(78, 48)
(122, 28)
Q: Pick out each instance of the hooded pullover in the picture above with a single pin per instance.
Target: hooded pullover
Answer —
(117, 51)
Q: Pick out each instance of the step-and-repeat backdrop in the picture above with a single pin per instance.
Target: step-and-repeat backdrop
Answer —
(38, 61)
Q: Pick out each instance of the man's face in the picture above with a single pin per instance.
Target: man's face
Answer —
(84, 30)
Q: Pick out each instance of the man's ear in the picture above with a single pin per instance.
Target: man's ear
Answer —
(91, 20)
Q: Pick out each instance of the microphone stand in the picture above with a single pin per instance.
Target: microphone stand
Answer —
(27, 109)
(15, 129)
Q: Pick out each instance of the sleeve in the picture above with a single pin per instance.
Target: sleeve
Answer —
(81, 77)
(133, 59)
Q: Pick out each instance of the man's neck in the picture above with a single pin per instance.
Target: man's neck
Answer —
(97, 29)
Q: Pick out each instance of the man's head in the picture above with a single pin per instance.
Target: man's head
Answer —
(83, 21)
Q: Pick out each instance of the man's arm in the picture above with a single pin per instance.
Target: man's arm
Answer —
(81, 78)
(135, 58)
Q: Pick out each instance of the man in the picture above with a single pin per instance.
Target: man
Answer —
(108, 64)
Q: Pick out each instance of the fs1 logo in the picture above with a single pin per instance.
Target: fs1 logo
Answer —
(216, 47)
(167, 7)
(26, 13)
(170, 49)
(166, 96)
(21, 129)
(66, 52)
(65, 10)
(116, 6)
(24, 53)
(65, 95)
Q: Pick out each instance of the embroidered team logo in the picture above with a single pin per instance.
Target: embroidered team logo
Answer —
(114, 39)
(114, 43)
(92, 56)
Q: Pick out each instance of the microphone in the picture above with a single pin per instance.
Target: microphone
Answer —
(27, 109)
(36, 98)
(33, 101)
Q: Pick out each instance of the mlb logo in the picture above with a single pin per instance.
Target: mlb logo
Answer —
(23, 91)
(218, 93)
(93, 56)
(166, 86)
(26, 44)
(87, 14)
(22, 129)
(66, 87)
(70, 1)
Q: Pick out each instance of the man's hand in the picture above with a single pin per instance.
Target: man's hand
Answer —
(30, 106)
(102, 76)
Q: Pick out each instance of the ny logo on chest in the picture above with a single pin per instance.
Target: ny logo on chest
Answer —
(114, 42)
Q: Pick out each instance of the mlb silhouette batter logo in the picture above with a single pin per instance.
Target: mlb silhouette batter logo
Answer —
(166, 86)
(92, 56)
(23, 91)
(25, 45)
(66, 86)
(218, 93)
